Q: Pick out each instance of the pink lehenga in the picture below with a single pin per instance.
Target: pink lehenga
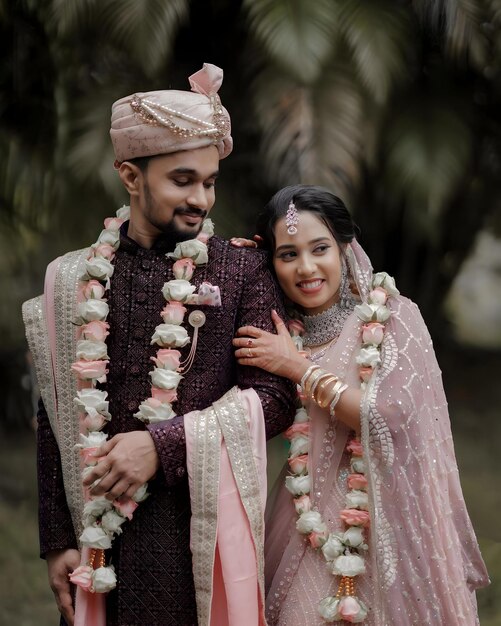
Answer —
(423, 564)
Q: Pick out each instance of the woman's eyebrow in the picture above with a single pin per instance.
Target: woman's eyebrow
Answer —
(289, 246)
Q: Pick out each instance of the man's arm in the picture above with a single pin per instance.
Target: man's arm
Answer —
(54, 518)
(58, 543)
(277, 395)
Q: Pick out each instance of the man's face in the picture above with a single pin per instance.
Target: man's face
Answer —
(177, 191)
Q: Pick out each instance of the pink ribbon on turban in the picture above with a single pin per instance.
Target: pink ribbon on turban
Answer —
(208, 80)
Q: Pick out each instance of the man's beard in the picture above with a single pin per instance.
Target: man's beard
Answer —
(172, 234)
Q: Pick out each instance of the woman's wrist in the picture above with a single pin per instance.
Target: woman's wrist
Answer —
(298, 367)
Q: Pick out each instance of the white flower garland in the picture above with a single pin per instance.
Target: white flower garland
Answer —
(343, 552)
(102, 519)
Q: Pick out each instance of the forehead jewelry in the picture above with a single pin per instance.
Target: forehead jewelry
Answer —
(291, 218)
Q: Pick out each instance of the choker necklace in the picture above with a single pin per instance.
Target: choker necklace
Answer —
(327, 325)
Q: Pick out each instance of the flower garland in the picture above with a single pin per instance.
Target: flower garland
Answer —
(343, 552)
(102, 519)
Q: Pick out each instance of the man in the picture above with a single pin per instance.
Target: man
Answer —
(168, 145)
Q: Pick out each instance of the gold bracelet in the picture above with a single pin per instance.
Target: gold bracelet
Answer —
(321, 388)
(314, 385)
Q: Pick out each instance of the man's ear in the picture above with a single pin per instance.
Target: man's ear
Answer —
(131, 177)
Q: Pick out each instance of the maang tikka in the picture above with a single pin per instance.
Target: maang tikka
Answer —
(291, 218)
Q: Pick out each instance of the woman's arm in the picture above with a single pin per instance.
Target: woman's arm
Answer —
(277, 354)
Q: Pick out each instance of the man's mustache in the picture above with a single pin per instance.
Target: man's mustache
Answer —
(191, 211)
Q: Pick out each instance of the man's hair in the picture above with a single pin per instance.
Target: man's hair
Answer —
(141, 162)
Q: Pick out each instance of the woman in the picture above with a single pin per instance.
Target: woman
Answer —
(372, 474)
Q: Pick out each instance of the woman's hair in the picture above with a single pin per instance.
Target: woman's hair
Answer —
(330, 209)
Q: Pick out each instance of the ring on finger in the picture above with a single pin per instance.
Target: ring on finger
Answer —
(249, 343)
(249, 353)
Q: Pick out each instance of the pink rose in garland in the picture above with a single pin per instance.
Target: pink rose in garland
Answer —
(355, 517)
(357, 481)
(95, 331)
(82, 576)
(90, 370)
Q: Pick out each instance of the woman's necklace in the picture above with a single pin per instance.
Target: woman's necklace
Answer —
(102, 519)
(327, 325)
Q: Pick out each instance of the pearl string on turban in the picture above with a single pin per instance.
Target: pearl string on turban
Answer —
(161, 122)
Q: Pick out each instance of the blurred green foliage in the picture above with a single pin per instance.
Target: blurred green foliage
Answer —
(392, 104)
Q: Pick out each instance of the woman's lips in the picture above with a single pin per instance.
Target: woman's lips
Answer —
(310, 286)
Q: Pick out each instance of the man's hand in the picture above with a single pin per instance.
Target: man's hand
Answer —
(126, 462)
(60, 563)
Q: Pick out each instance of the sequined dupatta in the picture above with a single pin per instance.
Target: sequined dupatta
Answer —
(51, 336)
(423, 563)
(226, 458)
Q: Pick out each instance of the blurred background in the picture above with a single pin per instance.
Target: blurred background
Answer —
(393, 105)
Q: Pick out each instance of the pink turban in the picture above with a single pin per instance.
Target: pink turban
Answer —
(160, 122)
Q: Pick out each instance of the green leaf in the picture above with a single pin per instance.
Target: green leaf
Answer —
(299, 35)
(379, 38)
(428, 150)
(311, 134)
(464, 19)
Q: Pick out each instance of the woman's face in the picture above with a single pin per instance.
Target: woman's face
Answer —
(308, 264)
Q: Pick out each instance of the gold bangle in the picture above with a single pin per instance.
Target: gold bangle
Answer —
(320, 391)
(322, 374)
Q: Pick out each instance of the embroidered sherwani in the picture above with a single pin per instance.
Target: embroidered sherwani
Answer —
(152, 556)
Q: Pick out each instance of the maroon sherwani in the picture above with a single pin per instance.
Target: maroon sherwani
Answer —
(152, 556)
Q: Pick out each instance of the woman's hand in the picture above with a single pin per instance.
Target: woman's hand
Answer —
(276, 354)
(242, 242)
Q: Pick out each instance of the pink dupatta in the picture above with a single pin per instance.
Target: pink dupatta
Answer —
(227, 530)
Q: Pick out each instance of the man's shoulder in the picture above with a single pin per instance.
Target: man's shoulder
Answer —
(222, 250)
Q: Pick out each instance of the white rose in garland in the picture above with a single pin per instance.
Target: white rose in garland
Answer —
(165, 379)
(93, 310)
(298, 485)
(152, 411)
(95, 537)
(99, 268)
(170, 335)
(178, 290)
(193, 249)
(104, 579)
(333, 547)
(91, 350)
(348, 565)
(102, 519)
(310, 522)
